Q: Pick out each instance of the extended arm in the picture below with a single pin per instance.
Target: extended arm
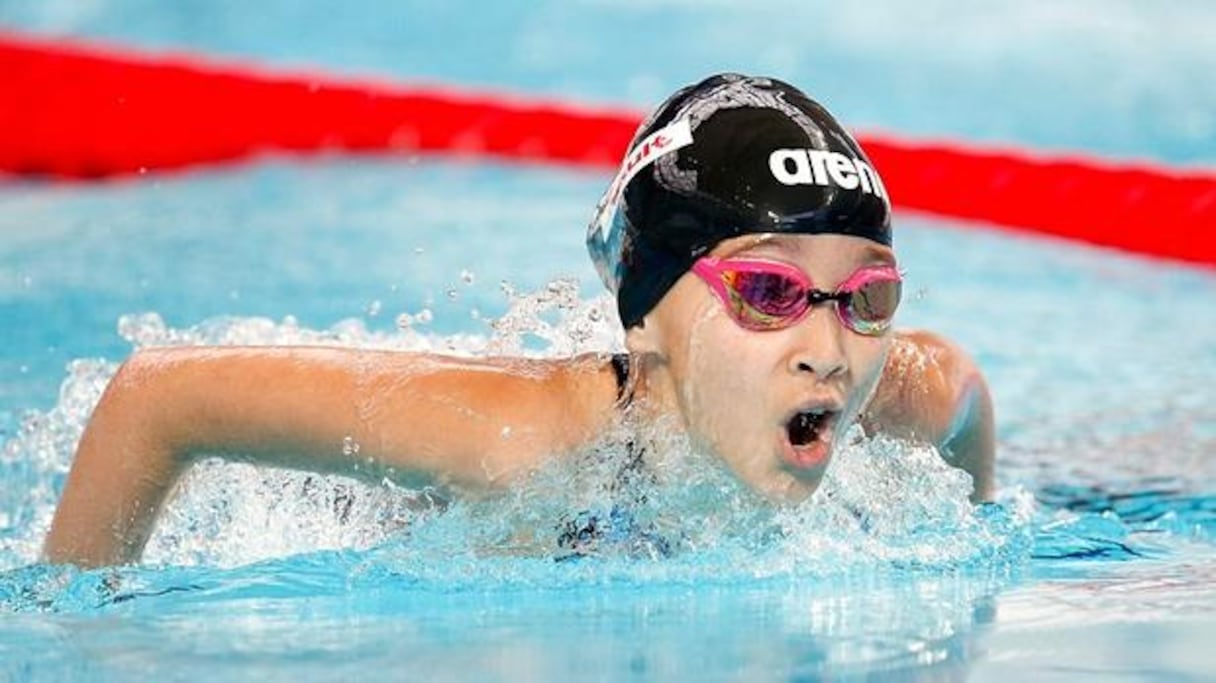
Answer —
(465, 422)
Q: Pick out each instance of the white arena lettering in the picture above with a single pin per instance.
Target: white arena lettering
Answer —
(824, 168)
(841, 169)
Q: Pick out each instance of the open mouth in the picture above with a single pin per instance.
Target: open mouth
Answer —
(808, 437)
(804, 427)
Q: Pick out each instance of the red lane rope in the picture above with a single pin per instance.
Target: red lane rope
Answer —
(1141, 208)
(77, 111)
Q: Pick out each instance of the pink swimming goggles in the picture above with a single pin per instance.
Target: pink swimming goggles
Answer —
(767, 295)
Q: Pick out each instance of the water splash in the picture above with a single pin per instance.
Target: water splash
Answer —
(555, 321)
(884, 505)
(35, 462)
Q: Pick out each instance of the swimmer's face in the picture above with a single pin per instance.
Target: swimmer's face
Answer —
(768, 403)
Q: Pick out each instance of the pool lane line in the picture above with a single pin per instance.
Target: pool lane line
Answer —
(78, 110)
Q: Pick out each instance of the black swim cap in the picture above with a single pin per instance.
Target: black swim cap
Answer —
(728, 156)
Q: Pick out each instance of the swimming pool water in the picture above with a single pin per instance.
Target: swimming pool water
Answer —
(1099, 562)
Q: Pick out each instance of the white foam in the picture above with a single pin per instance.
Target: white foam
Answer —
(882, 502)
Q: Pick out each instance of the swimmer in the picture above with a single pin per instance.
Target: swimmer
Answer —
(747, 240)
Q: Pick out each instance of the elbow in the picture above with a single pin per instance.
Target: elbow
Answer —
(124, 466)
(141, 399)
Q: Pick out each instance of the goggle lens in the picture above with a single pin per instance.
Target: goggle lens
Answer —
(875, 301)
(768, 296)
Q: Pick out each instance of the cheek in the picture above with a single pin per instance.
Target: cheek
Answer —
(703, 375)
(723, 386)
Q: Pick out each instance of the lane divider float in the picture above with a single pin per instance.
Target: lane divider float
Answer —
(74, 110)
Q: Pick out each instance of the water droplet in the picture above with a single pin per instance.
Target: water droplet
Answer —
(466, 276)
(404, 320)
(373, 309)
(424, 316)
(453, 294)
(417, 250)
(506, 432)
(350, 447)
(25, 369)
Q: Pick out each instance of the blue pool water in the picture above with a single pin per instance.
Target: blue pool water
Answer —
(1099, 562)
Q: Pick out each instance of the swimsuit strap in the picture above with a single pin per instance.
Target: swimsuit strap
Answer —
(624, 387)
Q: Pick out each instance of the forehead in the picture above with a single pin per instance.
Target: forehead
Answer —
(808, 248)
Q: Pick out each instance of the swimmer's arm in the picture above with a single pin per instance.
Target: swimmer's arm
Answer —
(933, 391)
(970, 441)
(413, 418)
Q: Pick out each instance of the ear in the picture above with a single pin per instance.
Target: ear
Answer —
(643, 338)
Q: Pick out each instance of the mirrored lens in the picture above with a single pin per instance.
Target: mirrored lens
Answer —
(876, 301)
(770, 293)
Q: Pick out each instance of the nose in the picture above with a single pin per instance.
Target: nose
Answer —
(818, 347)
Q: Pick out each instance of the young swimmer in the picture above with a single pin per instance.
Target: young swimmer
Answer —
(748, 242)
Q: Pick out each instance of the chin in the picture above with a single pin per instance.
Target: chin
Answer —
(785, 488)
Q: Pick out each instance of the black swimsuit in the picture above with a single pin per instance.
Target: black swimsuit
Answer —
(591, 530)
(624, 389)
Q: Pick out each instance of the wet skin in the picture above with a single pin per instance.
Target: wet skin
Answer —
(484, 423)
(736, 390)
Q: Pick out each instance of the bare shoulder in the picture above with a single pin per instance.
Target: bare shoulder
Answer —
(941, 362)
(932, 390)
(919, 381)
